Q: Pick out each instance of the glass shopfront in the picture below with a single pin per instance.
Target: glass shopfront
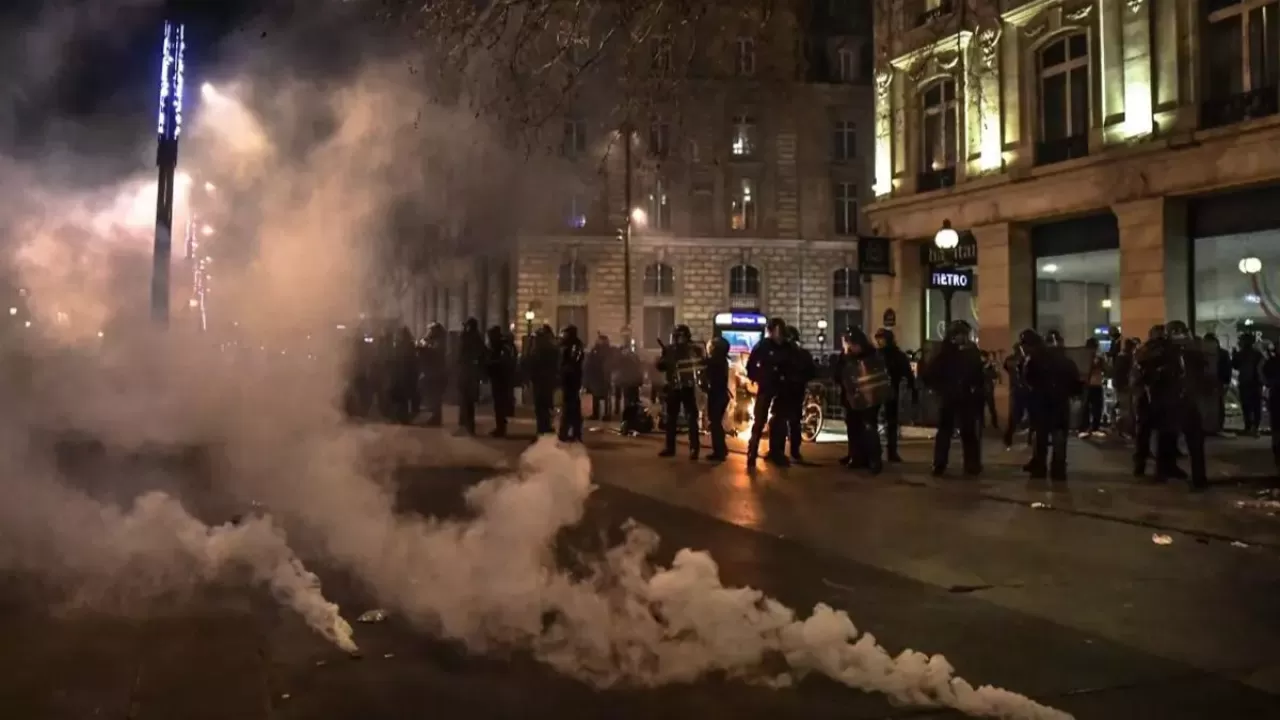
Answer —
(964, 301)
(1236, 259)
(1077, 270)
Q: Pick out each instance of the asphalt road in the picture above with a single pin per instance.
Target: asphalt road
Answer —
(1057, 634)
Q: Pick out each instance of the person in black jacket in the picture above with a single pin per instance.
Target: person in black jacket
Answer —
(470, 371)
(501, 368)
(1247, 362)
(715, 383)
(1186, 381)
(1220, 366)
(434, 362)
(596, 371)
(863, 381)
(1121, 381)
(571, 357)
(681, 362)
(955, 374)
(765, 367)
(628, 377)
(898, 365)
(1019, 391)
(1148, 383)
(542, 369)
(786, 425)
(1052, 379)
(1271, 377)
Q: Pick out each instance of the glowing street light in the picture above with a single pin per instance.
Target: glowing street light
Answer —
(1250, 266)
(946, 238)
(13, 311)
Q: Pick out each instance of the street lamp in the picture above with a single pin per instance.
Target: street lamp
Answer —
(528, 322)
(1250, 265)
(822, 333)
(947, 239)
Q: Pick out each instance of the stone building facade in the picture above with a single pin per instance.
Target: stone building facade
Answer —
(1138, 129)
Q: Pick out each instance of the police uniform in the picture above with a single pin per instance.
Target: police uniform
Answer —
(957, 377)
(1051, 381)
(765, 366)
(681, 361)
(571, 356)
(715, 383)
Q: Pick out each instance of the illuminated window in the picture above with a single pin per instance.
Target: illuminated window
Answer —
(844, 201)
(844, 140)
(744, 136)
(744, 281)
(745, 59)
(1241, 47)
(743, 206)
(575, 138)
(939, 119)
(659, 280)
(659, 206)
(572, 278)
(1064, 88)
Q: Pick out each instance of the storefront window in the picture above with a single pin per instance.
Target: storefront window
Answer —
(1227, 299)
(1078, 295)
(964, 306)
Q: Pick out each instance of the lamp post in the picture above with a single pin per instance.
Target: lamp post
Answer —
(168, 129)
(528, 322)
(822, 334)
(626, 229)
(946, 240)
(1250, 265)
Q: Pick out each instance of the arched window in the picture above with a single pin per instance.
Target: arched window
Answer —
(659, 280)
(939, 123)
(744, 281)
(1064, 99)
(573, 277)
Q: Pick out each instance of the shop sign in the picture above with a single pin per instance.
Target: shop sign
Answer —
(963, 255)
(951, 280)
(731, 319)
(873, 255)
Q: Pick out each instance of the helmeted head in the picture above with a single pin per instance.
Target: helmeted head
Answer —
(1178, 331)
(776, 328)
(1131, 344)
(959, 332)
(435, 331)
(792, 334)
(471, 326)
(495, 335)
(1029, 338)
(885, 338)
(1157, 332)
(681, 334)
(855, 341)
(569, 333)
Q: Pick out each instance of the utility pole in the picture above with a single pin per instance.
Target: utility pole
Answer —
(169, 128)
(626, 228)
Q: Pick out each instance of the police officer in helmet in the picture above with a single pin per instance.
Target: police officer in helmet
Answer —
(1052, 379)
(766, 366)
(681, 361)
(571, 356)
(957, 377)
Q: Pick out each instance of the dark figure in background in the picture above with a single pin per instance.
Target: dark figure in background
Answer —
(1271, 377)
(1121, 373)
(1148, 383)
(898, 366)
(680, 363)
(864, 384)
(1019, 390)
(1052, 380)
(362, 388)
(628, 376)
(434, 361)
(403, 372)
(992, 376)
(765, 367)
(1247, 362)
(501, 367)
(1092, 378)
(956, 376)
(595, 377)
(715, 383)
(572, 355)
(1188, 377)
(469, 371)
(785, 426)
(1220, 370)
(542, 368)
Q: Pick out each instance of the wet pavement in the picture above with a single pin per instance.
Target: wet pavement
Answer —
(1084, 613)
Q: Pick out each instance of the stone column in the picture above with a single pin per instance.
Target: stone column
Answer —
(1155, 272)
(1006, 285)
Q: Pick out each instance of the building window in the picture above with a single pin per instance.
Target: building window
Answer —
(703, 212)
(744, 281)
(576, 210)
(1241, 48)
(743, 206)
(846, 65)
(574, 142)
(659, 137)
(695, 152)
(661, 54)
(658, 324)
(659, 206)
(744, 136)
(572, 278)
(1064, 91)
(938, 124)
(846, 283)
(844, 200)
(575, 315)
(659, 280)
(745, 62)
(844, 140)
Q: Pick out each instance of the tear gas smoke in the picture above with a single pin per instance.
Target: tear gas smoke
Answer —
(310, 196)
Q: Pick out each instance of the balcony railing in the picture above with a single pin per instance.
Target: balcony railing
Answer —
(927, 16)
(1049, 152)
(935, 179)
(1258, 103)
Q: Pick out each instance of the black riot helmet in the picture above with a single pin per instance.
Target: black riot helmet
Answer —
(1054, 339)
(1029, 338)
(495, 335)
(1177, 331)
(1157, 332)
(854, 336)
(959, 332)
(792, 334)
(681, 334)
(569, 333)
(471, 326)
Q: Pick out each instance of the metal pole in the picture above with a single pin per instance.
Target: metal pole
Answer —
(626, 232)
(946, 312)
(168, 129)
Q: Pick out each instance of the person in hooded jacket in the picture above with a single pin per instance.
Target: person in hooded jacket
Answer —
(469, 364)
(786, 425)
(681, 362)
(1247, 361)
(572, 355)
(898, 366)
(864, 384)
(501, 368)
(766, 366)
(956, 376)
(1052, 380)
(434, 364)
(715, 383)
(542, 369)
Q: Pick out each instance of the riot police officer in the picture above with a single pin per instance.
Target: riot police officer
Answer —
(956, 375)
(715, 383)
(470, 371)
(1247, 362)
(571, 356)
(1051, 381)
(1148, 382)
(680, 362)
(864, 384)
(898, 365)
(501, 367)
(765, 367)
(542, 369)
(433, 359)
(1189, 377)
(785, 426)
(1019, 391)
